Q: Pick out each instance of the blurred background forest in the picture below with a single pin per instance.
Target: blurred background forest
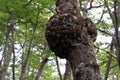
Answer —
(24, 54)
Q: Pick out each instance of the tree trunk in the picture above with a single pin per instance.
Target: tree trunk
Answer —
(83, 63)
(41, 68)
(69, 36)
(6, 54)
(67, 75)
(13, 47)
(25, 60)
(58, 68)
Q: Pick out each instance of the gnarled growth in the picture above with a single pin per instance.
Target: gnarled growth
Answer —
(70, 36)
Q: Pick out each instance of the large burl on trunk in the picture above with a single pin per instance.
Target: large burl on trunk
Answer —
(70, 36)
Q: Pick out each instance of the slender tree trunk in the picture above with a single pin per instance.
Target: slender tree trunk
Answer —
(13, 47)
(115, 21)
(116, 25)
(69, 35)
(58, 68)
(25, 62)
(41, 68)
(67, 75)
(6, 54)
(109, 59)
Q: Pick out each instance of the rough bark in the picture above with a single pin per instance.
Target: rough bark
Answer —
(70, 36)
(83, 63)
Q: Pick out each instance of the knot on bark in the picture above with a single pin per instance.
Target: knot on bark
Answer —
(62, 31)
(67, 28)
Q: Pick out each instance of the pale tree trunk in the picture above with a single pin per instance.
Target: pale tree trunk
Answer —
(69, 36)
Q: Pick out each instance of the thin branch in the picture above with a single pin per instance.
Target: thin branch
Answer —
(113, 66)
(109, 11)
(104, 31)
(100, 18)
(109, 61)
(91, 7)
(27, 3)
(110, 53)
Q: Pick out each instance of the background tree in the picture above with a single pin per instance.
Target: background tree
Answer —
(69, 36)
(25, 41)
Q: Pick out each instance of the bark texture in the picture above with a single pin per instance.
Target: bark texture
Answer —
(70, 36)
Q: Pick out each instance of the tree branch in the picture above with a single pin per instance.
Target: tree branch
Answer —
(110, 53)
(109, 11)
(100, 18)
(109, 62)
(104, 31)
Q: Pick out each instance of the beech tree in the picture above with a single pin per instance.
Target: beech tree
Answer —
(71, 36)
